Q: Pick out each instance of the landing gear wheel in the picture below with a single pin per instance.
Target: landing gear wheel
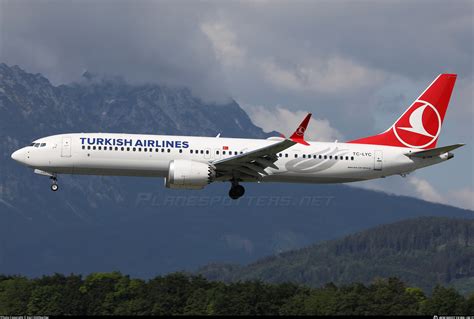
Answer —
(236, 191)
(54, 185)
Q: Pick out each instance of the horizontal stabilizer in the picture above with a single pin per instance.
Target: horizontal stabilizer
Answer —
(434, 151)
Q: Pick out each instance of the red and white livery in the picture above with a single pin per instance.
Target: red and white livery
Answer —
(189, 162)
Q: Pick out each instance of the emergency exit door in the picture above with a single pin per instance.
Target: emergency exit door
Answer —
(378, 160)
(66, 147)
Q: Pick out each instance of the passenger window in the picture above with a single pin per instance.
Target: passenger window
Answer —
(217, 152)
(122, 148)
(169, 150)
(241, 152)
(330, 156)
(145, 149)
(134, 149)
(304, 155)
(88, 147)
(116, 148)
(162, 150)
(314, 156)
(83, 147)
(347, 157)
(191, 151)
(352, 158)
(139, 149)
(286, 154)
(180, 150)
(296, 155)
(202, 152)
(128, 149)
(320, 156)
(223, 152)
(325, 157)
(335, 157)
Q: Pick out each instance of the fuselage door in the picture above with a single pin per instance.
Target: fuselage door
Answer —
(378, 160)
(66, 147)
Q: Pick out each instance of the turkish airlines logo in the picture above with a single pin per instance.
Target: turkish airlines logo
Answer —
(419, 126)
(300, 131)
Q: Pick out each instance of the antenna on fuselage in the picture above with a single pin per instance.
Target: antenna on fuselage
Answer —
(218, 135)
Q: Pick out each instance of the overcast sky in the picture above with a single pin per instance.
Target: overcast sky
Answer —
(355, 64)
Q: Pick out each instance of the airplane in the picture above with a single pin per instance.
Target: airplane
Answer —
(191, 162)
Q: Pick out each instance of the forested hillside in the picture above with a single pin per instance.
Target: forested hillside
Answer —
(178, 294)
(423, 252)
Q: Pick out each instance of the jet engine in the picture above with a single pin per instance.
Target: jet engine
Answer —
(185, 174)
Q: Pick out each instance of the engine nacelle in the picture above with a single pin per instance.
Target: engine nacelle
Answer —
(184, 174)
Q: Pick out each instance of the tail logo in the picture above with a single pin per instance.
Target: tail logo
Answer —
(419, 126)
(300, 131)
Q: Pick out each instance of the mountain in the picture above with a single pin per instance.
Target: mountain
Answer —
(136, 225)
(423, 252)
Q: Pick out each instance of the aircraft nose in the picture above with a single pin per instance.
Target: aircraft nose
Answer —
(17, 156)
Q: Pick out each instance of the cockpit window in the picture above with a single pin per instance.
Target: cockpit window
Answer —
(32, 144)
(37, 144)
(43, 144)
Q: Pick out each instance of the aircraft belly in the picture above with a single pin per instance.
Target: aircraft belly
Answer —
(111, 166)
(309, 179)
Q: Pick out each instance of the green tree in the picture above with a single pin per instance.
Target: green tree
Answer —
(470, 304)
(445, 301)
(45, 301)
(99, 292)
(390, 297)
(14, 295)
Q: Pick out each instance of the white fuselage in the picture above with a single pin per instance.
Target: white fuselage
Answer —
(150, 155)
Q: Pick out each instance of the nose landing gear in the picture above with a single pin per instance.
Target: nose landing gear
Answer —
(236, 190)
(54, 185)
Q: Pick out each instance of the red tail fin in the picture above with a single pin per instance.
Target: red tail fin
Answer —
(420, 125)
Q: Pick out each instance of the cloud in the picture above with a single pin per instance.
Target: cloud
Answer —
(224, 43)
(148, 41)
(331, 75)
(425, 190)
(463, 197)
(282, 120)
(421, 188)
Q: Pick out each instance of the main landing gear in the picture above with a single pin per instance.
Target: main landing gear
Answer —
(236, 190)
(54, 184)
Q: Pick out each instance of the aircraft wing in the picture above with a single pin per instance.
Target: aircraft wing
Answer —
(434, 151)
(253, 164)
